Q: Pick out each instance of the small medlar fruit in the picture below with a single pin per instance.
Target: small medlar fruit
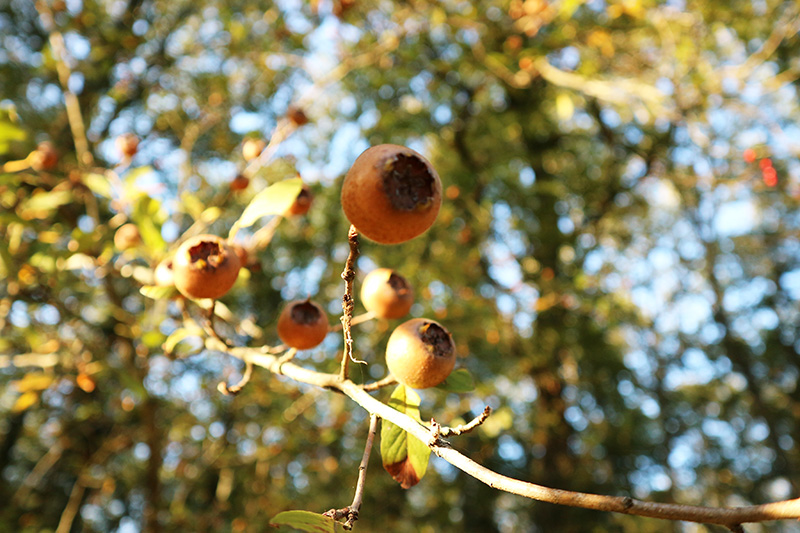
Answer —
(252, 148)
(44, 157)
(391, 194)
(205, 266)
(302, 324)
(127, 144)
(239, 183)
(302, 203)
(387, 294)
(420, 353)
(127, 236)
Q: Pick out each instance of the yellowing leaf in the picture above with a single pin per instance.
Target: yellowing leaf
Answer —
(43, 204)
(564, 106)
(36, 381)
(306, 521)
(98, 184)
(405, 457)
(24, 401)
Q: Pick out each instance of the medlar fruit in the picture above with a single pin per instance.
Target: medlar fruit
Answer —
(205, 266)
(420, 353)
(391, 194)
(387, 294)
(302, 324)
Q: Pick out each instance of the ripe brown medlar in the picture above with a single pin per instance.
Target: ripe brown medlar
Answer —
(302, 203)
(420, 353)
(127, 144)
(205, 266)
(239, 183)
(391, 194)
(302, 324)
(252, 148)
(297, 115)
(127, 236)
(44, 157)
(387, 294)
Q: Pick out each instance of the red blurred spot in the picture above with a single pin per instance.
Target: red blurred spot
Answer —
(765, 163)
(770, 177)
(749, 155)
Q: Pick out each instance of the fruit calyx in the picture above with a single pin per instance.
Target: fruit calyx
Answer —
(408, 182)
(437, 338)
(305, 313)
(207, 255)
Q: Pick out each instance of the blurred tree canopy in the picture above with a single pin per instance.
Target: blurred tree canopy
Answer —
(617, 256)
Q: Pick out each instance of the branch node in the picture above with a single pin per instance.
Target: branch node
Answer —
(463, 428)
(627, 502)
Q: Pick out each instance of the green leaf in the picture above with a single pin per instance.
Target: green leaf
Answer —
(179, 335)
(8, 133)
(157, 293)
(404, 456)
(41, 205)
(98, 184)
(274, 200)
(458, 381)
(149, 215)
(306, 521)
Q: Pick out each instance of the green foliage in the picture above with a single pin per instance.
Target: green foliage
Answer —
(621, 285)
(404, 456)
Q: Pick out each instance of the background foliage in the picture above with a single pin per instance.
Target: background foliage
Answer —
(622, 283)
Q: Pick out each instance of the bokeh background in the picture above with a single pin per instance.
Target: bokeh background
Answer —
(617, 256)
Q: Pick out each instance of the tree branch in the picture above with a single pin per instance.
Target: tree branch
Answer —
(730, 517)
(351, 512)
(348, 303)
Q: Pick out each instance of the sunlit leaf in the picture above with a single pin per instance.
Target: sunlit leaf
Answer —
(404, 456)
(98, 184)
(274, 200)
(458, 381)
(179, 335)
(157, 293)
(35, 381)
(306, 521)
(43, 204)
(25, 400)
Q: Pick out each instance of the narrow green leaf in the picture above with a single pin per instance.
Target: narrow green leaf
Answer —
(157, 293)
(177, 336)
(274, 200)
(305, 521)
(404, 456)
(458, 381)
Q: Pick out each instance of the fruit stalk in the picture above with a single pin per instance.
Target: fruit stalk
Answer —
(349, 275)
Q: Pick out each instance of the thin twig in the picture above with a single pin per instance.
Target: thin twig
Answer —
(233, 390)
(351, 512)
(73, 504)
(376, 385)
(74, 115)
(444, 431)
(348, 303)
